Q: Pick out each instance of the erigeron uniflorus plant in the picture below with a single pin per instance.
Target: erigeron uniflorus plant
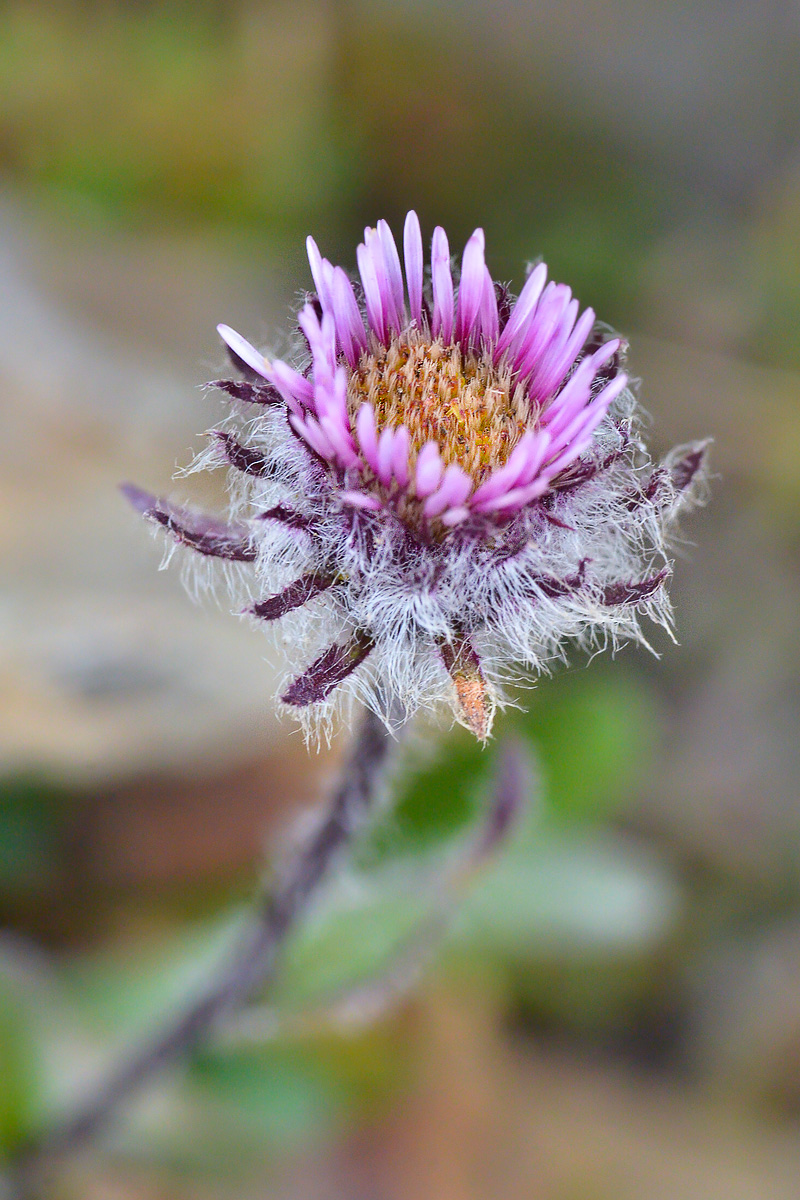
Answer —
(445, 491)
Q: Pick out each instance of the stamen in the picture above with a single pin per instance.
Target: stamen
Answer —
(472, 410)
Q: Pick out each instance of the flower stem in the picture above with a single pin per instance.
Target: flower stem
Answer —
(250, 966)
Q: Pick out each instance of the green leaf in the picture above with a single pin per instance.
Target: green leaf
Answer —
(32, 813)
(282, 1090)
(19, 1066)
(570, 895)
(354, 936)
(121, 991)
(593, 731)
(435, 800)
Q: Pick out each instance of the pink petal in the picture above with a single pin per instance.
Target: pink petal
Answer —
(243, 350)
(285, 376)
(394, 275)
(321, 271)
(505, 477)
(412, 252)
(365, 426)
(372, 292)
(360, 500)
(429, 470)
(340, 395)
(331, 401)
(454, 516)
(339, 437)
(310, 431)
(470, 288)
(322, 342)
(573, 397)
(606, 351)
(488, 318)
(347, 318)
(456, 485)
(295, 389)
(523, 309)
(577, 390)
(374, 245)
(517, 497)
(542, 327)
(578, 435)
(442, 279)
(385, 452)
(585, 422)
(612, 390)
(566, 457)
(547, 366)
(570, 352)
(535, 458)
(402, 444)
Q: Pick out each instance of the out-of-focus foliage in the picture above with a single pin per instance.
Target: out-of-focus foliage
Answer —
(19, 1065)
(195, 113)
(776, 271)
(30, 815)
(551, 898)
(280, 118)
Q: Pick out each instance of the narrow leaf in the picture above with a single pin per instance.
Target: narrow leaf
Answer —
(552, 587)
(635, 591)
(329, 670)
(684, 469)
(295, 595)
(243, 458)
(250, 393)
(287, 516)
(205, 534)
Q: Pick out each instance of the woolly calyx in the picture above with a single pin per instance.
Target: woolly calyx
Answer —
(443, 491)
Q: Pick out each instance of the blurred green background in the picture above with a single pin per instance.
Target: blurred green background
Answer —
(611, 1010)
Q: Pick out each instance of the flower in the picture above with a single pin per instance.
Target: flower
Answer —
(446, 489)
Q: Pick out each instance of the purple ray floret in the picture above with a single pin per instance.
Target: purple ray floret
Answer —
(205, 534)
(539, 349)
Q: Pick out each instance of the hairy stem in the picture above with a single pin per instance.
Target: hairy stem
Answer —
(249, 967)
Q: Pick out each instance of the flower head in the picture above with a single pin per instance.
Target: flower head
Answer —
(447, 487)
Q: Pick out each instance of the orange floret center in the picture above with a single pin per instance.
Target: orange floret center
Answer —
(472, 409)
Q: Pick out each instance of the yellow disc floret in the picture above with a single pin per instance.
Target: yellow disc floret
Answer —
(472, 409)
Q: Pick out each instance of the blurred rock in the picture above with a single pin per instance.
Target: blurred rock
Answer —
(747, 1015)
(106, 668)
(751, 412)
(484, 1119)
(645, 72)
(725, 784)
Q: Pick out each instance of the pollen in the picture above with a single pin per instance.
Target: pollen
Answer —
(473, 410)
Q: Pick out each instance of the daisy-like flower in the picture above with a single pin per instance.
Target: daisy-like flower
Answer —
(445, 490)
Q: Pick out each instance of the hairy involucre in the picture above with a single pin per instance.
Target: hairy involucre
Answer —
(398, 584)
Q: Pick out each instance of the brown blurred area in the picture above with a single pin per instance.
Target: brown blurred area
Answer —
(615, 1012)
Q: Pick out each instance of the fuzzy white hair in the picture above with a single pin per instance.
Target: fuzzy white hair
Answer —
(581, 568)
